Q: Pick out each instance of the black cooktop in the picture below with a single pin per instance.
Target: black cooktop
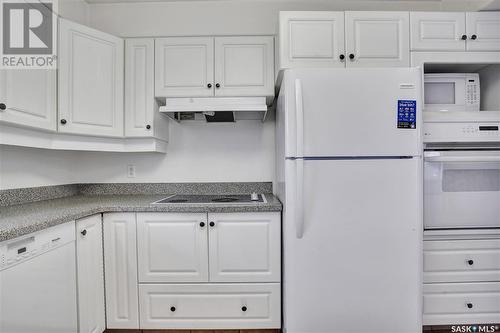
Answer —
(204, 199)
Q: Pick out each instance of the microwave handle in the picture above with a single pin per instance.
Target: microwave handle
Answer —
(477, 158)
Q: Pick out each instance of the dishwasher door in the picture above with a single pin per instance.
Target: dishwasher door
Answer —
(38, 283)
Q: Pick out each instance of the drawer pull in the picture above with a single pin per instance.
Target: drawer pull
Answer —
(470, 305)
(172, 309)
(244, 308)
(470, 262)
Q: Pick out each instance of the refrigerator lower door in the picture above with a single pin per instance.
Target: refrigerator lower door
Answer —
(353, 263)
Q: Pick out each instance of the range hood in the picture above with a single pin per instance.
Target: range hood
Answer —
(215, 109)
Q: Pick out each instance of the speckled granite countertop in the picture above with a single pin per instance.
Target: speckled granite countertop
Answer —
(21, 219)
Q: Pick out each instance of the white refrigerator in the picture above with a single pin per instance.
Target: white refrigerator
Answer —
(349, 174)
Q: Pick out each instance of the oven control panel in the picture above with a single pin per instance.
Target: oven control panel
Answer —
(462, 132)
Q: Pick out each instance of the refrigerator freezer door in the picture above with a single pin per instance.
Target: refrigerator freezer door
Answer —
(354, 262)
(352, 112)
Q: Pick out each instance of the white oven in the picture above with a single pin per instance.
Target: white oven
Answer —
(451, 92)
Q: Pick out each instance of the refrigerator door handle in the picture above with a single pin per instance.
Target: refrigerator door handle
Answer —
(299, 107)
(299, 197)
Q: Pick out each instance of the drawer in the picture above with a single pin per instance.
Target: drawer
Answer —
(462, 261)
(461, 303)
(222, 306)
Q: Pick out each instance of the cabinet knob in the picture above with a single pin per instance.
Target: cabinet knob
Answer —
(351, 56)
(464, 37)
(209, 85)
(3, 106)
(244, 308)
(217, 85)
(342, 57)
(63, 121)
(473, 37)
(83, 232)
(212, 224)
(148, 126)
(202, 224)
(470, 305)
(172, 309)
(470, 262)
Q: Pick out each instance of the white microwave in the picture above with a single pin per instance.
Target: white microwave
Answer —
(451, 92)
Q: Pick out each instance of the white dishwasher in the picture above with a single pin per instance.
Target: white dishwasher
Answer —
(38, 282)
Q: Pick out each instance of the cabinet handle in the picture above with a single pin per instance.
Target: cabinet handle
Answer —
(217, 85)
(212, 224)
(63, 121)
(3, 106)
(470, 262)
(148, 126)
(464, 37)
(209, 85)
(202, 224)
(470, 305)
(351, 56)
(172, 309)
(244, 308)
(473, 37)
(342, 57)
(84, 232)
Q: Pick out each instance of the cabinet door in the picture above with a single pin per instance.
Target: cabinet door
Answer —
(29, 97)
(184, 67)
(244, 66)
(437, 31)
(172, 247)
(90, 81)
(483, 30)
(120, 259)
(89, 255)
(377, 39)
(245, 247)
(311, 39)
(139, 87)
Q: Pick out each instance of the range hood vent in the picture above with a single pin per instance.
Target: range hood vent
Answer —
(210, 109)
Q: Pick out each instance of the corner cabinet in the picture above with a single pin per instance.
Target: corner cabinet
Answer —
(214, 66)
(90, 275)
(90, 81)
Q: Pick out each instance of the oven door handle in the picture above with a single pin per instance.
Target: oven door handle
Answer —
(476, 158)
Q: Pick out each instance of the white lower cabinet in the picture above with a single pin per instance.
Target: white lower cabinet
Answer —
(120, 258)
(205, 306)
(90, 277)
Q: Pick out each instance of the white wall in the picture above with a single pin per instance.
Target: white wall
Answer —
(75, 10)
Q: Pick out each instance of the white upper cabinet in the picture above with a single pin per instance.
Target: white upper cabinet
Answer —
(172, 247)
(377, 39)
(244, 247)
(438, 31)
(90, 269)
(28, 98)
(311, 39)
(184, 67)
(483, 30)
(244, 66)
(90, 81)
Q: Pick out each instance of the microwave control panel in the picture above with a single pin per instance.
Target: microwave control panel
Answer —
(462, 132)
(471, 91)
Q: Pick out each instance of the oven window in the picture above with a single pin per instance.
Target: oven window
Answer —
(471, 180)
(439, 92)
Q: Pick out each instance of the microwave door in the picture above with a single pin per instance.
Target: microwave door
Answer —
(444, 95)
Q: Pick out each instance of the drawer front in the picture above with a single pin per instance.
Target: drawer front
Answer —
(462, 261)
(235, 306)
(461, 303)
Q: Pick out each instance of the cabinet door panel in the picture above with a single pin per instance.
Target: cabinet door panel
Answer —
(120, 257)
(244, 66)
(30, 97)
(172, 247)
(311, 39)
(437, 31)
(245, 247)
(90, 81)
(377, 39)
(486, 27)
(91, 316)
(184, 66)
